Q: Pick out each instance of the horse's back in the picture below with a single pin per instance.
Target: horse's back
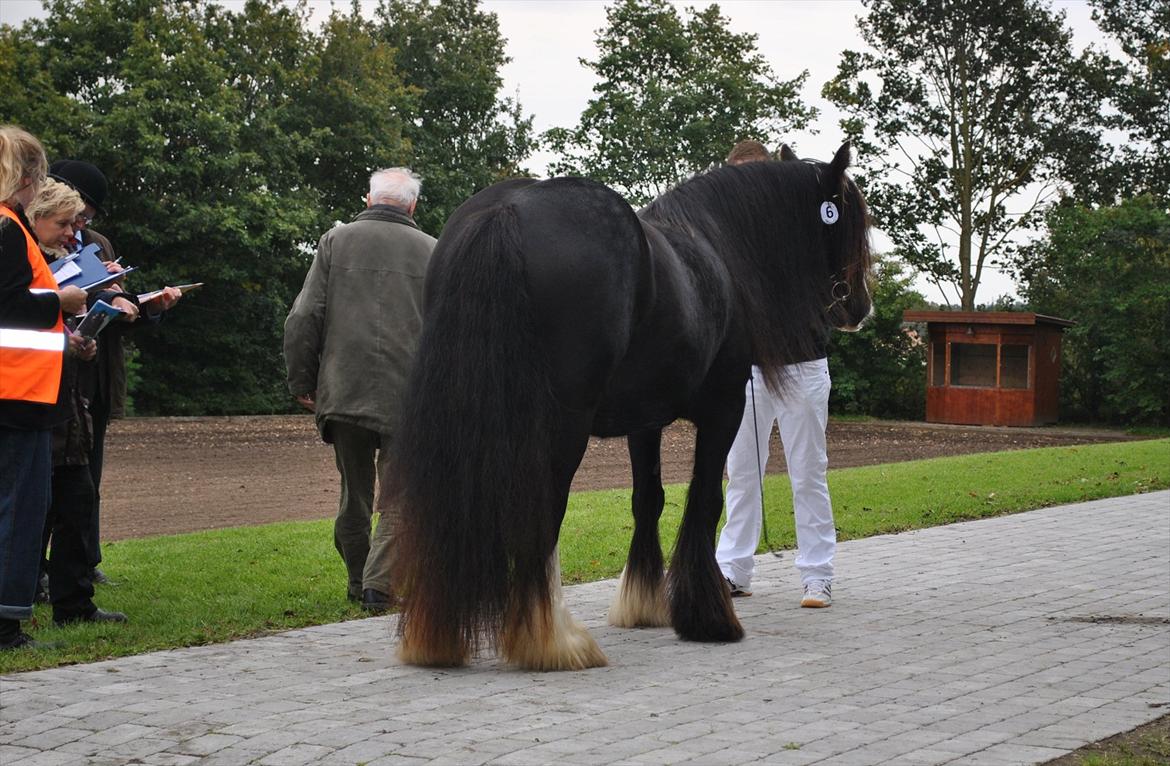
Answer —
(579, 240)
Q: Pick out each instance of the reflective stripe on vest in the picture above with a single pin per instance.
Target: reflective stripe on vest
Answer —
(34, 340)
(30, 360)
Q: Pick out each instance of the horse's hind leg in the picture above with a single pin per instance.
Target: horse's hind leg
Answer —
(432, 645)
(641, 594)
(546, 636)
(539, 632)
(700, 603)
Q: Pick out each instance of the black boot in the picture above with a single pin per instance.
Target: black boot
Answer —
(12, 637)
(375, 601)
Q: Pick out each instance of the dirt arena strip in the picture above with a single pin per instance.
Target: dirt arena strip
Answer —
(174, 475)
(1009, 640)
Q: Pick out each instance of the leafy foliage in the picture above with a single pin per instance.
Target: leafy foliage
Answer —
(1140, 93)
(675, 95)
(881, 369)
(1109, 270)
(463, 137)
(232, 139)
(978, 101)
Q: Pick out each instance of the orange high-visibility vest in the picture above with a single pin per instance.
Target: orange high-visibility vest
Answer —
(30, 360)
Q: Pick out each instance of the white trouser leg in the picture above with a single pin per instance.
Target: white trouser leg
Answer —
(803, 413)
(741, 534)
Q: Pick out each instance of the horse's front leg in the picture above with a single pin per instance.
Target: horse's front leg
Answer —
(545, 635)
(700, 603)
(641, 594)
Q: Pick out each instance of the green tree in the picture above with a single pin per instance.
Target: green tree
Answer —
(881, 369)
(1140, 94)
(463, 135)
(31, 98)
(981, 108)
(1108, 269)
(675, 94)
(355, 113)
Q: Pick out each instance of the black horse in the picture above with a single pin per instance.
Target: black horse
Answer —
(553, 312)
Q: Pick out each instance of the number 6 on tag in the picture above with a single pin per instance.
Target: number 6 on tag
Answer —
(829, 212)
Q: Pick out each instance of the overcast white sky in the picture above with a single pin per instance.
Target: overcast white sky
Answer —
(546, 39)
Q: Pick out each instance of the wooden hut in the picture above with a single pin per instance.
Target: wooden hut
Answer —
(992, 367)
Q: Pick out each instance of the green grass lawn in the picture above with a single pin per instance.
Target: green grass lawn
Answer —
(210, 587)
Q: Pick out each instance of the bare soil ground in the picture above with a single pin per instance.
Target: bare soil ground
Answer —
(174, 475)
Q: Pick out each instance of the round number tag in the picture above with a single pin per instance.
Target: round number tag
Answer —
(829, 212)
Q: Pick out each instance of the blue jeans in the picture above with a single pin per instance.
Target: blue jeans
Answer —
(27, 461)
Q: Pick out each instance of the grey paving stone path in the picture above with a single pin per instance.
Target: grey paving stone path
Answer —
(1007, 640)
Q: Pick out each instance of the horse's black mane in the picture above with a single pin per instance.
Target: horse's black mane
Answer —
(763, 220)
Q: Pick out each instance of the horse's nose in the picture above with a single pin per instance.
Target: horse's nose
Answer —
(861, 322)
(848, 321)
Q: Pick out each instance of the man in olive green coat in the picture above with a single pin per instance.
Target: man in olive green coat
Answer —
(349, 342)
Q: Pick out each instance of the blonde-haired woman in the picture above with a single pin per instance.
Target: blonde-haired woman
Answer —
(32, 349)
(73, 499)
(51, 214)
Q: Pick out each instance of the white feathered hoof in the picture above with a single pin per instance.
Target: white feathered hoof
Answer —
(638, 604)
(553, 641)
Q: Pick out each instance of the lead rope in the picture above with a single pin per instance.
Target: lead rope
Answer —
(760, 467)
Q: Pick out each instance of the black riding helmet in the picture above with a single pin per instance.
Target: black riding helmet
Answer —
(89, 182)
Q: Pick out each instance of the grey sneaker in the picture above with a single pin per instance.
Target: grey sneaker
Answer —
(737, 591)
(817, 594)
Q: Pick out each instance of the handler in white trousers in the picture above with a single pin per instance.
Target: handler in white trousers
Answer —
(802, 410)
(801, 407)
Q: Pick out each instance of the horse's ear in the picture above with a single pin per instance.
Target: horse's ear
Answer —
(786, 153)
(840, 160)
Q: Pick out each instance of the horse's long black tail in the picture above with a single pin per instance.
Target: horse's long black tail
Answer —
(471, 474)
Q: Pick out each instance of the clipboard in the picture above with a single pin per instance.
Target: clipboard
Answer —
(85, 269)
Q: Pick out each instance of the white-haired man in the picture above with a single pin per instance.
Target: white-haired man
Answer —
(349, 342)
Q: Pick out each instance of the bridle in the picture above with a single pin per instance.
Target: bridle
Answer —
(839, 292)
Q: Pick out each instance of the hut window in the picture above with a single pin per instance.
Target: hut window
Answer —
(1013, 366)
(973, 364)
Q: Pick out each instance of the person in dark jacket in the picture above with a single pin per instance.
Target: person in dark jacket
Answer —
(32, 349)
(104, 382)
(349, 341)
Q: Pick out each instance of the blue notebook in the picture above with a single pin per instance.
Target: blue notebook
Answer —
(85, 269)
